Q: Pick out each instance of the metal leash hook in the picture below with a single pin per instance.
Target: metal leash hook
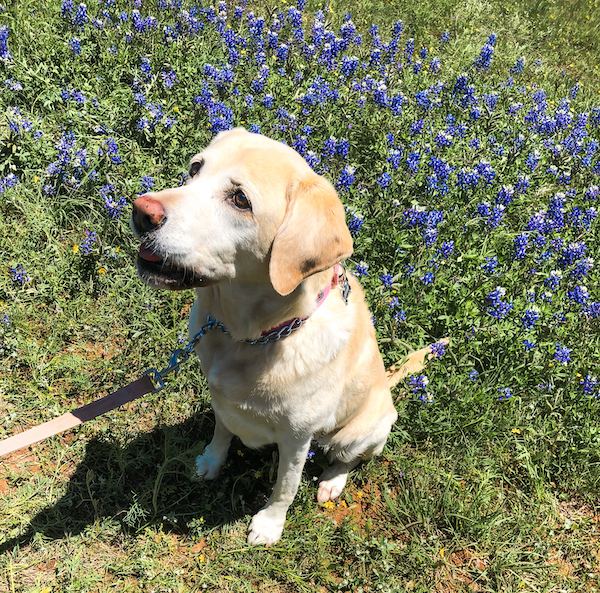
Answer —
(184, 353)
(174, 362)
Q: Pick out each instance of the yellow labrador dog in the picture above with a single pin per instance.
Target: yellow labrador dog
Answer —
(260, 236)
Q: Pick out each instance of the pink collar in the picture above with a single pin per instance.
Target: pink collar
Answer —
(297, 321)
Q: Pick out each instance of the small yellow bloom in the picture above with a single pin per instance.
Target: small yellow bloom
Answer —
(36, 178)
(75, 248)
(329, 504)
(101, 271)
(240, 453)
(442, 551)
(516, 431)
(201, 558)
(176, 109)
(359, 494)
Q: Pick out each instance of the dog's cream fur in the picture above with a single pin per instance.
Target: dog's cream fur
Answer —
(255, 269)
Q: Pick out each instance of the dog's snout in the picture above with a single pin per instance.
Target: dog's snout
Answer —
(148, 214)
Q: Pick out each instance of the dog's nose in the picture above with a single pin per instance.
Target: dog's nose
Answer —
(148, 214)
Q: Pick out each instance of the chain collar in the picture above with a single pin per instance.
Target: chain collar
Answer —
(274, 335)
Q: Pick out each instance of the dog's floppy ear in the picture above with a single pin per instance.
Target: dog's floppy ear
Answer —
(313, 235)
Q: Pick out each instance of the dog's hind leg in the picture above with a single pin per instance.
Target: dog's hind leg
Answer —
(333, 479)
(211, 461)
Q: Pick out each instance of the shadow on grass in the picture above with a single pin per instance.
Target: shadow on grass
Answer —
(150, 480)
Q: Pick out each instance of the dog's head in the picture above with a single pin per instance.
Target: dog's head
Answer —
(252, 209)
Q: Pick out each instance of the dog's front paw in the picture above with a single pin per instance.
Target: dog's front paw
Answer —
(266, 528)
(208, 465)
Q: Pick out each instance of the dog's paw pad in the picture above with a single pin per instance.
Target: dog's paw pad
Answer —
(265, 529)
(331, 489)
(207, 467)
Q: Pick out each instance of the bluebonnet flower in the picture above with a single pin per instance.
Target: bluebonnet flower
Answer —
(169, 79)
(446, 250)
(75, 45)
(112, 150)
(438, 349)
(412, 162)
(361, 269)
(588, 385)
(518, 67)
(386, 279)
(349, 65)
(112, 205)
(19, 274)
(88, 243)
(394, 303)
(268, 101)
(505, 393)
(11, 180)
(592, 192)
(384, 180)
(496, 307)
(395, 158)
(66, 8)
(562, 354)
(147, 183)
(528, 345)
(521, 242)
(491, 264)
(329, 148)
(530, 318)
(13, 85)
(399, 316)
(343, 148)
(146, 68)
(418, 384)
(445, 38)
(355, 224)
(434, 65)
(80, 18)
(409, 49)
(346, 178)
(533, 158)
(417, 127)
(581, 268)
(427, 278)
(579, 294)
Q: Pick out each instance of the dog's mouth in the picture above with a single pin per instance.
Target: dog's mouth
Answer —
(158, 272)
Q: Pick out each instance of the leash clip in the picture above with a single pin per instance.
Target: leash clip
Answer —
(174, 362)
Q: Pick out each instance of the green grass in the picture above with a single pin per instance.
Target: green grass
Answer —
(469, 495)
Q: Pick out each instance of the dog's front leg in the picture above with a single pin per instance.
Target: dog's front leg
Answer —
(267, 525)
(211, 461)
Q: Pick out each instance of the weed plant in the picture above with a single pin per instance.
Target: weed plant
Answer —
(469, 165)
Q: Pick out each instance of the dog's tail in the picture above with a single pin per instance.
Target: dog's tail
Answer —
(413, 363)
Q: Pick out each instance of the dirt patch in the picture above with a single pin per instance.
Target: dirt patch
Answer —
(17, 465)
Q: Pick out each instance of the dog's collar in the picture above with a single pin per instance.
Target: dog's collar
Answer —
(291, 325)
(339, 278)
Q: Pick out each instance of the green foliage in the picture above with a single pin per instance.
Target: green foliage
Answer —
(488, 473)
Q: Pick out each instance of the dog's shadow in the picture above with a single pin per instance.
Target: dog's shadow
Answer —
(150, 480)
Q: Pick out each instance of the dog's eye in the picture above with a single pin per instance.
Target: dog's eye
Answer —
(194, 168)
(240, 200)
